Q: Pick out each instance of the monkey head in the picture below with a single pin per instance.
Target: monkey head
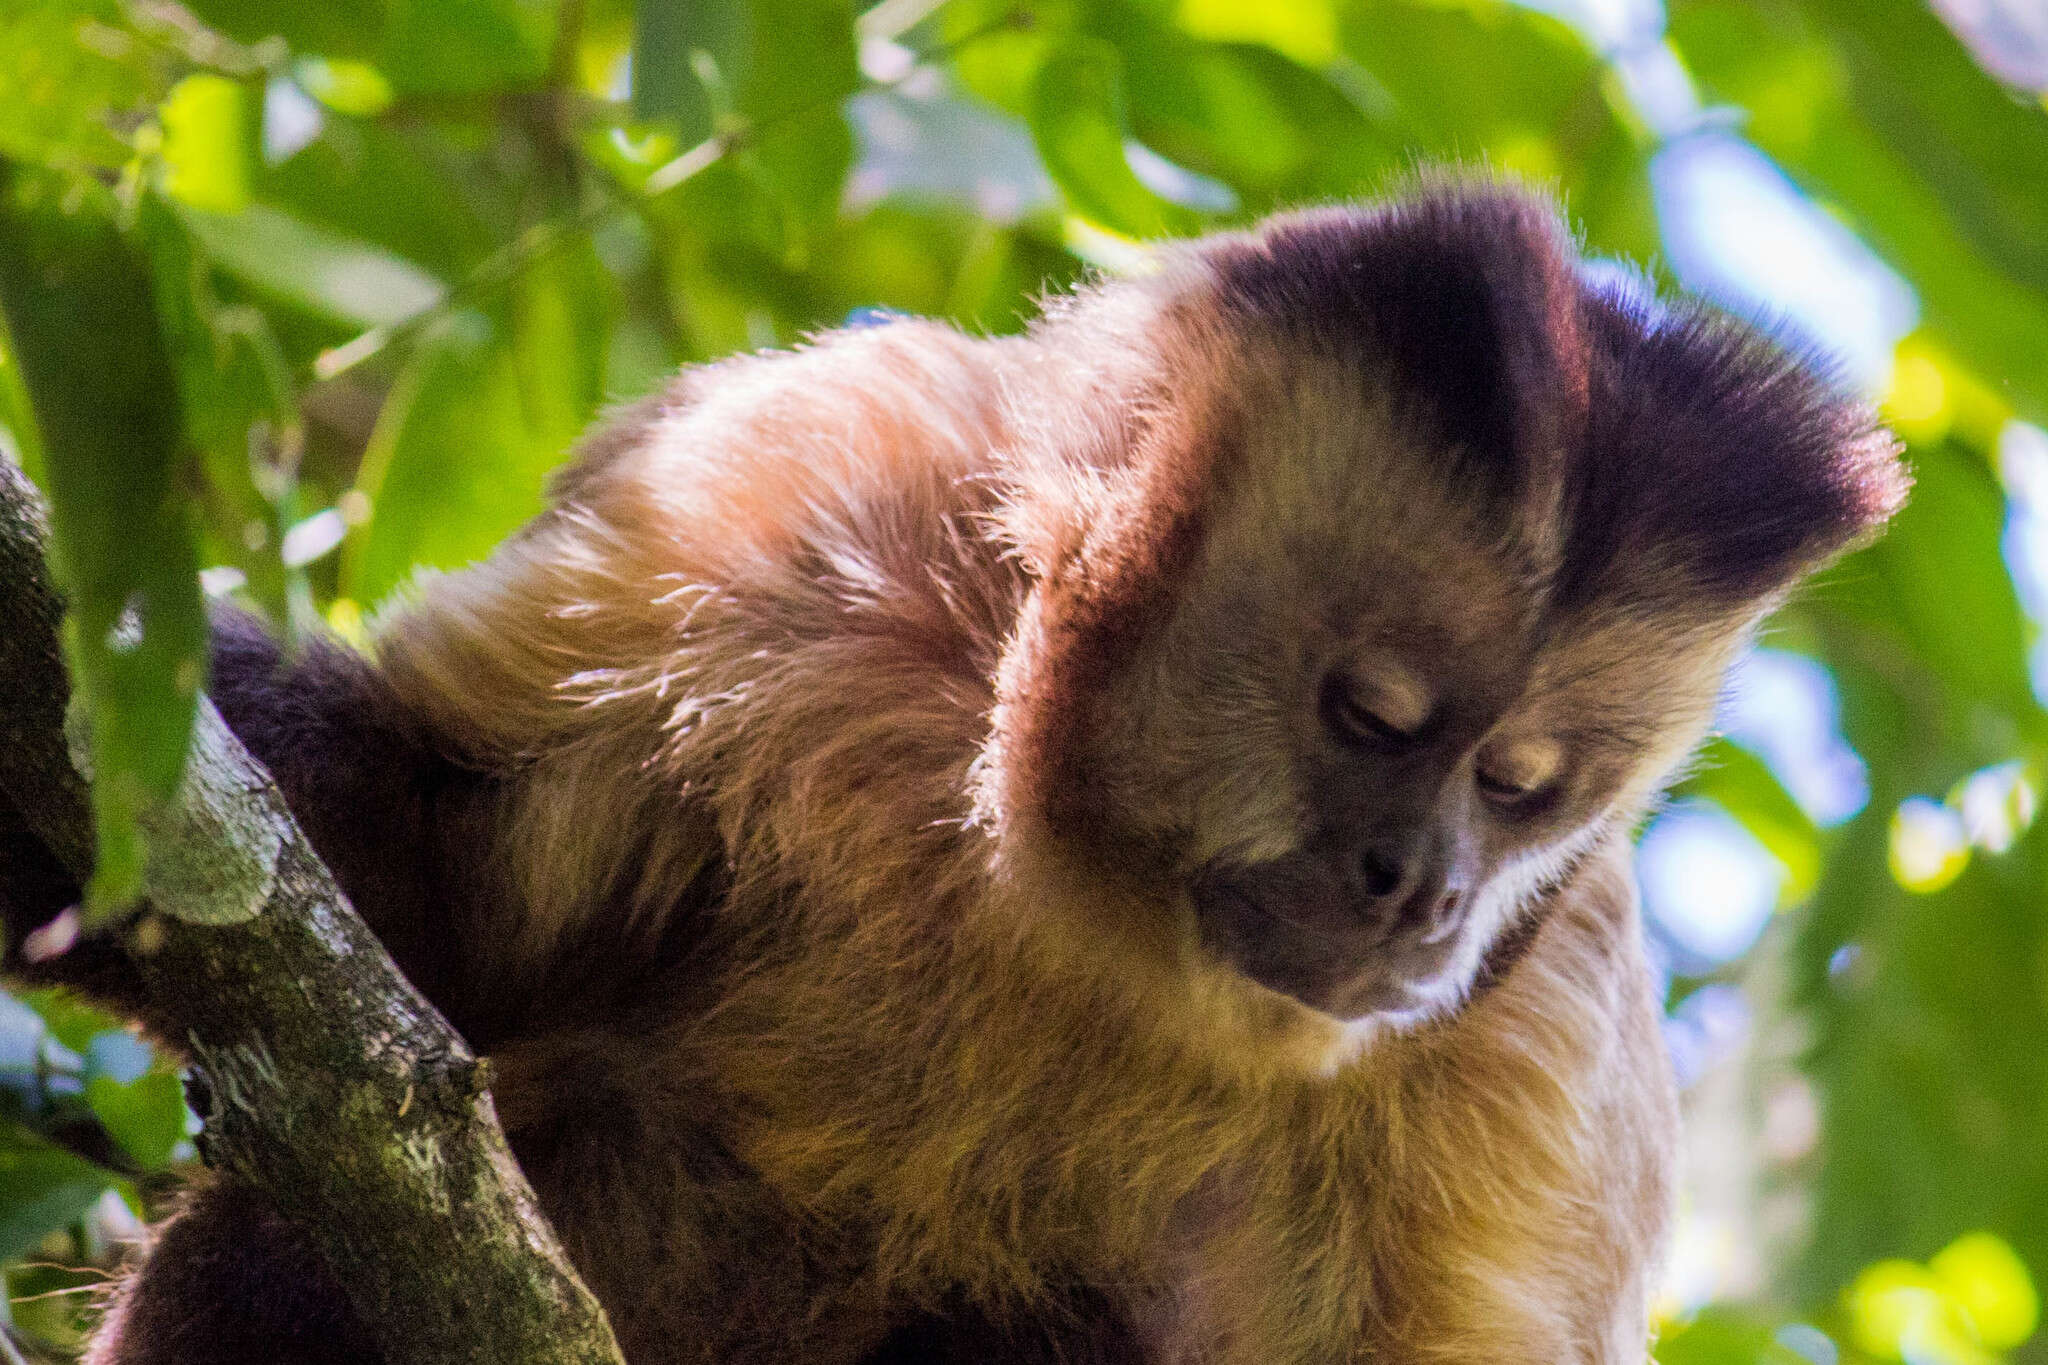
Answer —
(1384, 561)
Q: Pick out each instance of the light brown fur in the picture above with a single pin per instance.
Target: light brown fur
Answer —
(990, 1059)
(950, 664)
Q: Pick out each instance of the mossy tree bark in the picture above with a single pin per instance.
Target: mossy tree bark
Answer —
(327, 1081)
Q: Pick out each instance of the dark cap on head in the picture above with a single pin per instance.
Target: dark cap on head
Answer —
(1679, 448)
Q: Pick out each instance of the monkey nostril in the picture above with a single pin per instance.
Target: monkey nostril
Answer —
(1383, 875)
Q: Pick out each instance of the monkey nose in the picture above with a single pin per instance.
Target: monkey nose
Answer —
(1401, 882)
(1443, 918)
(1383, 872)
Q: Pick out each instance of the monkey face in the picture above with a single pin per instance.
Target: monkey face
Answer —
(1411, 805)
(1369, 759)
(1438, 777)
(1386, 562)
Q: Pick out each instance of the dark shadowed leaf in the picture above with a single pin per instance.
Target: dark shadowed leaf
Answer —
(41, 1190)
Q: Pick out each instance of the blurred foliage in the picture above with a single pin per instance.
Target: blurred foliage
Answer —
(315, 294)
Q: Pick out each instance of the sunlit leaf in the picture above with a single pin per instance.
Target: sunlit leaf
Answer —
(468, 434)
(1305, 30)
(209, 142)
(60, 97)
(314, 267)
(345, 86)
(1722, 1337)
(79, 308)
(1980, 1273)
(1079, 123)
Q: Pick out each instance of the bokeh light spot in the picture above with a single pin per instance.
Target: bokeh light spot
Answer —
(1980, 1272)
(1971, 1301)
(1929, 846)
(1997, 804)
(1707, 882)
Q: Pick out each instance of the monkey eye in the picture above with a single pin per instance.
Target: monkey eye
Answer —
(1513, 774)
(1360, 714)
(1505, 788)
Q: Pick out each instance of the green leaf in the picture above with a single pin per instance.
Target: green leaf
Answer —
(1930, 1101)
(444, 472)
(1721, 1337)
(209, 143)
(803, 160)
(999, 46)
(801, 58)
(41, 1190)
(72, 1021)
(1740, 783)
(17, 429)
(428, 47)
(458, 47)
(760, 61)
(141, 1104)
(333, 28)
(777, 69)
(391, 187)
(240, 411)
(1500, 85)
(481, 414)
(60, 97)
(1079, 123)
(1934, 598)
(674, 47)
(312, 267)
(79, 311)
(1874, 107)
(1275, 132)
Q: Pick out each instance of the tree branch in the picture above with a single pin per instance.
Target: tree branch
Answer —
(328, 1082)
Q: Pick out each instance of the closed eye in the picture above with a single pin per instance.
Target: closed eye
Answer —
(1506, 788)
(1356, 720)
(1516, 775)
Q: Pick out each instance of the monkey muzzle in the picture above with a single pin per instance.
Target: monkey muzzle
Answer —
(1339, 934)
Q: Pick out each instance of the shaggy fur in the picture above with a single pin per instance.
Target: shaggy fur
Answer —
(802, 811)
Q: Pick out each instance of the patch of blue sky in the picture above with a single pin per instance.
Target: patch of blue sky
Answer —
(1708, 886)
(1741, 233)
(1783, 707)
(1735, 228)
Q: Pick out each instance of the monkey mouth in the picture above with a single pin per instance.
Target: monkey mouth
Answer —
(1278, 932)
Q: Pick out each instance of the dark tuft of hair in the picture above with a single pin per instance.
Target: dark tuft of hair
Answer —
(1462, 294)
(1713, 448)
(1664, 436)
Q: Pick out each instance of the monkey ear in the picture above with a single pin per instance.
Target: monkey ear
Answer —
(1718, 454)
(1462, 297)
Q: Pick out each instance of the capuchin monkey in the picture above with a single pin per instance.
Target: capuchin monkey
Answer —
(1103, 845)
